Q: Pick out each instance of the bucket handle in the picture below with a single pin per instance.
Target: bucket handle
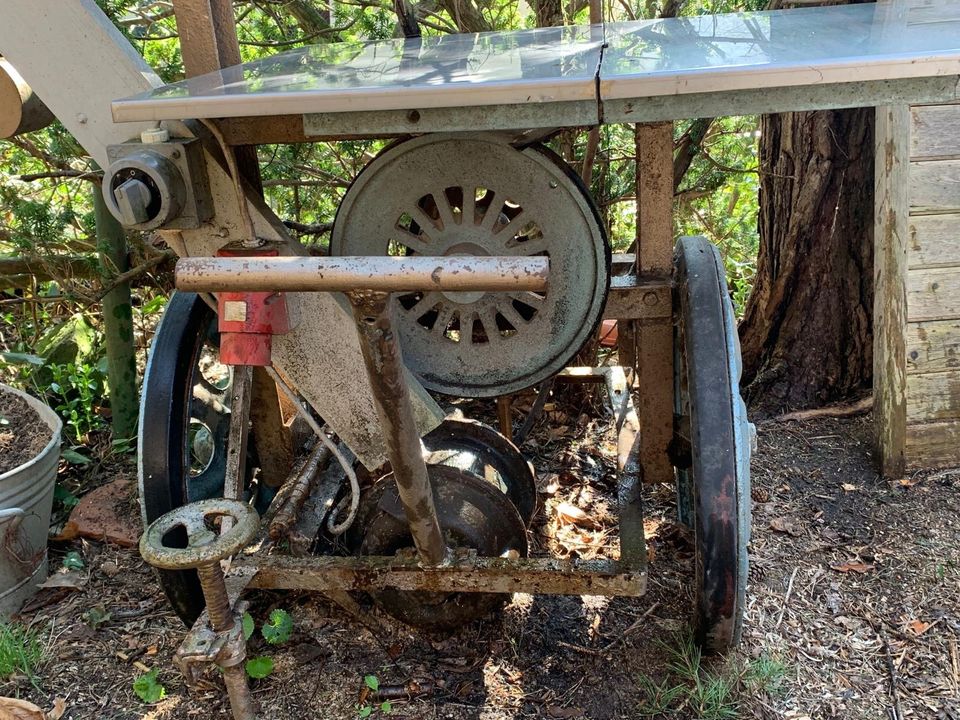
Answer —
(13, 513)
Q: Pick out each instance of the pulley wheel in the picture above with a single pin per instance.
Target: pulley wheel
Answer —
(443, 195)
(184, 423)
(480, 450)
(712, 447)
(472, 514)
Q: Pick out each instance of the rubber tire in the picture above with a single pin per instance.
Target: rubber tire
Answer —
(164, 422)
(717, 479)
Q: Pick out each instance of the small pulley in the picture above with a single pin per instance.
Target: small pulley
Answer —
(473, 515)
(477, 448)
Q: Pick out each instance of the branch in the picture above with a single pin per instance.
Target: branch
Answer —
(304, 229)
(406, 18)
(133, 273)
(33, 150)
(93, 176)
(690, 144)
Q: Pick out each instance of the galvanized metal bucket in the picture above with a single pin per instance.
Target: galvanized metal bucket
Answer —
(26, 500)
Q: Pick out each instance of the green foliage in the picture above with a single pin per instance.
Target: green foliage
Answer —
(365, 710)
(20, 650)
(259, 667)
(711, 690)
(277, 629)
(764, 674)
(248, 626)
(96, 615)
(64, 497)
(73, 561)
(148, 688)
(75, 392)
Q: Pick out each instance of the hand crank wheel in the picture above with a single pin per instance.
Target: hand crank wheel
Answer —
(473, 514)
(712, 447)
(443, 195)
(184, 422)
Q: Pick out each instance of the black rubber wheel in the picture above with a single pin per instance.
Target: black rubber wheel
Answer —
(184, 422)
(712, 446)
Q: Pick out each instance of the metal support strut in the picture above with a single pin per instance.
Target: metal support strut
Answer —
(381, 354)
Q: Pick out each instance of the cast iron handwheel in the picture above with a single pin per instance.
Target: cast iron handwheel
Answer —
(184, 422)
(712, 448)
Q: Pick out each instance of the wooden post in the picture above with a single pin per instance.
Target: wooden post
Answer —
(890, 283)
(208, 41)
(648, 344)
(117, 321)
(21, 110)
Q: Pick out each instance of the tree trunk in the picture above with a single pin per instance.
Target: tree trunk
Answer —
(807, 332)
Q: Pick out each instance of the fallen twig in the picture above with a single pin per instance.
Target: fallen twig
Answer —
(833, 411)
(633, 626)
(786, 597)
(896, 710)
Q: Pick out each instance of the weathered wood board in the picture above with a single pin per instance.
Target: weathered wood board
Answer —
(933, 396)
(932, 444)
(917, 372)
(935, 240)
(935, 132)
(933, 293)
(934, 185)
(933, 346)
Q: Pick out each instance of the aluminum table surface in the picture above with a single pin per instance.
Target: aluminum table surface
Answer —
(860, 48)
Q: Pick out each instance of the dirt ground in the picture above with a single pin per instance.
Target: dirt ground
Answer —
(855, 589)
(22, 434)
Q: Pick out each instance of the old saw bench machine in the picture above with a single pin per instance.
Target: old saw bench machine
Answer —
(466, 259)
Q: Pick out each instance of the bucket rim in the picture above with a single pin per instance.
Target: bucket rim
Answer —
(48, 416)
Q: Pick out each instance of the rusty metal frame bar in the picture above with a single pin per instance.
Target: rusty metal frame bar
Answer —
(381, 354)
(463, 573)
(633, 552)
(380, 274)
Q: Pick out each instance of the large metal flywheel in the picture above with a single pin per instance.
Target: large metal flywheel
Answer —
(449, 195)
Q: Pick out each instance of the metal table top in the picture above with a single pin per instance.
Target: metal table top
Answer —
(864, 50)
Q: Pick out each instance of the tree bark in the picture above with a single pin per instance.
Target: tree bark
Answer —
(807, 332)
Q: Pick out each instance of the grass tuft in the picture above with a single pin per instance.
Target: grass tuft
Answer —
(20, 650)
(708, 689)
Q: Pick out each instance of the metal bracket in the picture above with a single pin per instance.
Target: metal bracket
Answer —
(203, 646)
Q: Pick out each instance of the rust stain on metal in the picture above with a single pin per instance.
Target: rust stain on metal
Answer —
(463, 573)
(381, 354)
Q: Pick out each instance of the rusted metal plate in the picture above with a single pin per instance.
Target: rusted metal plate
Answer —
(630, 298)
(463, 574)
(272, 436)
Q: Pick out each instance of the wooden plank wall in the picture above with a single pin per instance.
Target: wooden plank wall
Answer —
(932, 287)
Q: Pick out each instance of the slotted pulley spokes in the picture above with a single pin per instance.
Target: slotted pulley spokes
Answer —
(453, 196)
(479, 449)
